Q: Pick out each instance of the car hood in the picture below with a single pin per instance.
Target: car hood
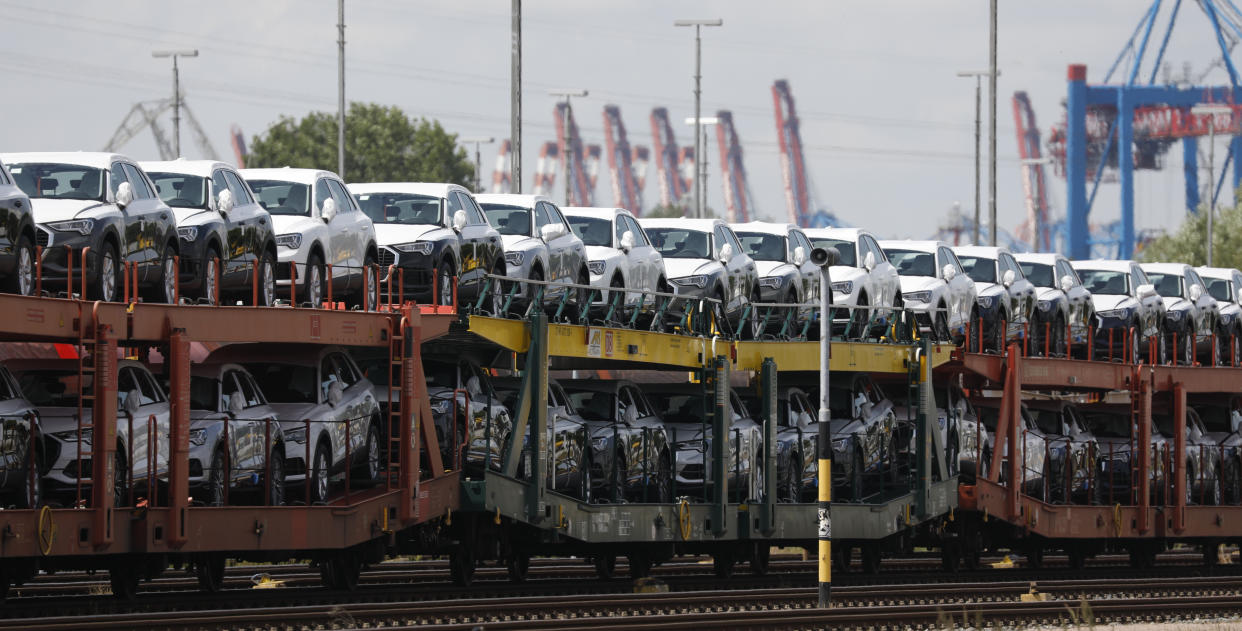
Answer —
(843, 427)
(677, 268)
(602, 253)
(296, 412)
(840, 273)
(1175, 304)
(685, 432)
(191, 215)
(46, 210)
(518, 242)
(1111, 444)
(1106, 302)
(389, 234)
(1047, 293)
(988, 289)
(285, 224)
(774, 268)
(59, 419)
(919, 283)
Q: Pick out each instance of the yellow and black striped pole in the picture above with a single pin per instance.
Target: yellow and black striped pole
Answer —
(825, 258)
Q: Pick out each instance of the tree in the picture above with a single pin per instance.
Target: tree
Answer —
(1189, 243)
(661, 211)
(382, 144)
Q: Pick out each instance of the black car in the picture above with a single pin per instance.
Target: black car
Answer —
(470, 417)
(21, 447)
(433, 233)
(219, 222)
(568, 436)
(630, 452)
(863, 438)
(101, 201)
(17, 238)
(797, 435)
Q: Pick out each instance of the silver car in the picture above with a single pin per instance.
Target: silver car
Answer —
(1224, 284)
(1190, 312)
(782, 256)
(235, 436)
(1063, 305)
(1128, 311)
(684, 410)
(142, 425)
(539, 246)
(327, 410)
(934, 285)
(863, 277)
(619, 255)
(1002, 293)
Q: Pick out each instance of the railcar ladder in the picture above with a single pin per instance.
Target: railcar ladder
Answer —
(396, 357)
(87, 347)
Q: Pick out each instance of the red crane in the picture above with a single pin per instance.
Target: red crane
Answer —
(581, 192)
(545, 169)
(501, 180)
(738, 200)
(1035, 229)
(626, 191)
(669, 160)
(793, 167)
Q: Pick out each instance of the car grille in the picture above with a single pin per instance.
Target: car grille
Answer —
(43, 238)
(387, 257)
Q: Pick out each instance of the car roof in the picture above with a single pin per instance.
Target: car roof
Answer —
(274, 352)
(764, 227)
(844, 234)
(288, 174)
(588, 211)
(201, 168)
(1217, 272)
(97, 159)
(1108, 266)
(23, 365)
(921, 246)
(702, 225)
(986, 251)
(432, 189)
(214, 369)
(511, 199)
(1177, 269)
(1045, 258)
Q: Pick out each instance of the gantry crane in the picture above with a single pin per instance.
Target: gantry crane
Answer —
(145, 115)
(737, 196)
(627, 191)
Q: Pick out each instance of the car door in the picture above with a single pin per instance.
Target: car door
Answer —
(480, 242)
(561, 253)
(131, 228)
(154, 414)
(960, 288)
(245, 226)
(153, 217)
(355, 228)
(241, 432)
(1205, 304)
(1150, 305)
(808, 272)
(358, 402)
(1078, 298)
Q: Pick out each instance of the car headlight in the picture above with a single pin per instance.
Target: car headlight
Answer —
(1226, 318)
(600, 443)
(297, 434)
(699, 281)
(80, 226)
(418, 247)
(986, 301)
(839, 444)
(1173, 315)
(442, 406)
(293, 240)
(772, 282)
(1120, 314)
(1044, 305)
(514, 258)
(918, 296)
(198, 436)
(187, 233)
(595, 267)
(843, 287)
(73, 435)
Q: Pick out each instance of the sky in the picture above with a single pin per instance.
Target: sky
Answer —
(886, 123)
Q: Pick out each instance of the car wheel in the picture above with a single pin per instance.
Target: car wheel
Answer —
(951, 455)
(615, 300)
(790, 488)
(312, 288)
(1186, 347)
(1133, 335)
(756, 318)
(168, 277)
(584, 492)
(856, 478)
(276, 479)
(498, 291)
(941, 329)
(664, 480)
(318, 478)
(582, 296)
(33, 495)
(788, 316)
(1232, 481)
(1059, 336)
(534, 289)
(216, 479)
(22, 280)
(859, 319)
(109, 271)
(999, 333)
(370, 287)
(444, 283)
(367, 471)
(120, 478)
(1220, 348)
(210, 266)
(267, 280)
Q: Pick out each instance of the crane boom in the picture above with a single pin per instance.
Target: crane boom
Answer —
(501, 182)
(673, 186)
(626, 192)
(1034, 187)
(733, 172)
(580, 193)
(793, 167)
(545, 169)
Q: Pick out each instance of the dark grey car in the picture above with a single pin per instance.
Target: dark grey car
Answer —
(17, 238)
(630, 451)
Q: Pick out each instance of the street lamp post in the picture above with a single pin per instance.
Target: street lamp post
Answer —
(159, 54)
(700, 161)
(569, 139)
(478, 158)
(978, 75)
(1211, 111)
(698, 92)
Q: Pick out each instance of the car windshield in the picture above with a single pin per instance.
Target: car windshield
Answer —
(1220, 289)
(912, 262)
(53, 388)
(401, 208)
(762, 247)
(592, 230)
(282, 198)
(1048, 421)
(180, 190)
(1167, 285)
(375, 369)
(59, 181)
(508, 219)
(846, 248)
(1039, 274)
(680, 243)
(203, 393)
(1105, 282)
(286, 383)
(594, 406)
(678, 408)
(978, 268)
(1109, 425)
(440, 374)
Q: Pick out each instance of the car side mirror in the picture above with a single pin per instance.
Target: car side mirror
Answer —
(1146, 290)
(224, 202)
(336, 392)
(124, 194)
(799, 256)
(948, 272)
(459, 220)
(1008, 277)
(550, 231)
(328, 211)
(627, 241)
(1067, 283)
(1196, 292)
(133, 400)
(631, 415)
(869, 261)
(726, 253)
(237, 403)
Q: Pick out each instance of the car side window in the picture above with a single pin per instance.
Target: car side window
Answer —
(474, 215)
(720, 239)
(249, 390)
(4, 178)
(124, 385)
(241, 192)
(327, 376)
(219, 184)
(228, 385)
(541, 216)
(344, 201)
(322, 192)
(139, 183)
(1136, 278)
(1193, 279)
(554, 214)
(454, 205)
(345, 370)
(147, 389)
(802, 242)
(619, 227)
(117, 176)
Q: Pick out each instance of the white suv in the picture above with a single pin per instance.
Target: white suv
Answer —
(863, 277)
(782, 255)
(1225, 284)
(934, 284)
(619, 254)
(317, 223)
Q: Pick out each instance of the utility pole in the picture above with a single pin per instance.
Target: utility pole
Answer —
(159, 54)
(700, 163)
(569, 140)
(992, 128)
(978, 75)
(478, 158)
(340, 71)
(1211, 111)
(698, 94)
(515, 105)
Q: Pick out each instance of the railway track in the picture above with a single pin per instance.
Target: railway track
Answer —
(776, 608)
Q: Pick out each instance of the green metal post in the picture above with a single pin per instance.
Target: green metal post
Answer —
(768, 394)
(537, 390)
(721, 417)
